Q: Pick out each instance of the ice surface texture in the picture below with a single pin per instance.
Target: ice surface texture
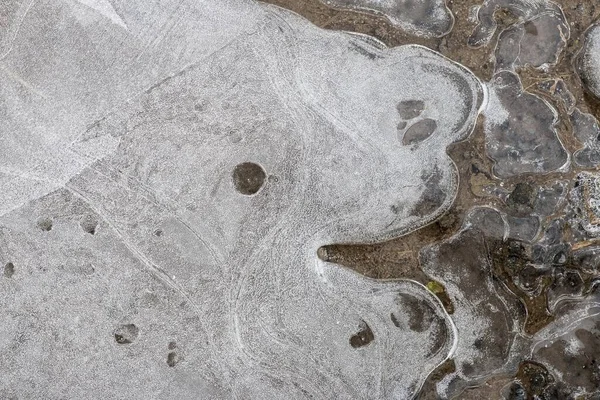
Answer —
(519, 128)
(168, 172)
(536, 32)
(589, 60)
(428, 18)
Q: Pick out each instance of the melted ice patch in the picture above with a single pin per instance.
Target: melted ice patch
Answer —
(570, 348)
(519, 128)
(429, 18)
(587, 131)
(483, 321)
(536, 35)
(214, 155)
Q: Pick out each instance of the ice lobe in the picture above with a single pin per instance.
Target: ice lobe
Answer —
(428, 18)
(587, 131)
(534, 32)
(519, 128)
(570, 349)
(589, 60)
(175, 179)
(483, 321)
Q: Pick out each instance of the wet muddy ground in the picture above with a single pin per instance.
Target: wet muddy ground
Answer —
(511, 260)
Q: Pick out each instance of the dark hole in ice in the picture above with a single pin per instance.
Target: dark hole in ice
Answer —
(419, 131)
(410, 109)
(126, 334)
(248, 178)
(530, 28)
(89, 225)
(172, 359)
(395, 320)
(9, 270)
(45, 224)
(158, 232)
(363, 337)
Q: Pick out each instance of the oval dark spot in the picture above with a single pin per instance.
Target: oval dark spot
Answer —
(45, 224)
(172, 345)
(410, 109)
(363, 337)
(172, 359)
(158, 232)
(89, 224)
(9, 270)
(126, 334)
(401, 125)
(395, 320)
(248, 178)
(530, 28)
(419, 131)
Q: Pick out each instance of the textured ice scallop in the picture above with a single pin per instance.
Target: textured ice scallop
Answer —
(589, 60)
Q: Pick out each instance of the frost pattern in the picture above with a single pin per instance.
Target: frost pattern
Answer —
(131, 182)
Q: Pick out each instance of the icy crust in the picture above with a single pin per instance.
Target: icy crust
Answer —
(537, 33)
(520, 130)
(587, 131)
(585, 126)
(125, 132)
(484, 317)
(570, 347)
(427, 18)
(589, 60)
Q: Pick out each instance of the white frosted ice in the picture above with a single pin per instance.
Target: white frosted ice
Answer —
(136, 117)
(589, 60)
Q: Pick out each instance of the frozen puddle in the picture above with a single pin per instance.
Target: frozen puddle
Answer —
(428, 18)
(168, 174)
(535, 34)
